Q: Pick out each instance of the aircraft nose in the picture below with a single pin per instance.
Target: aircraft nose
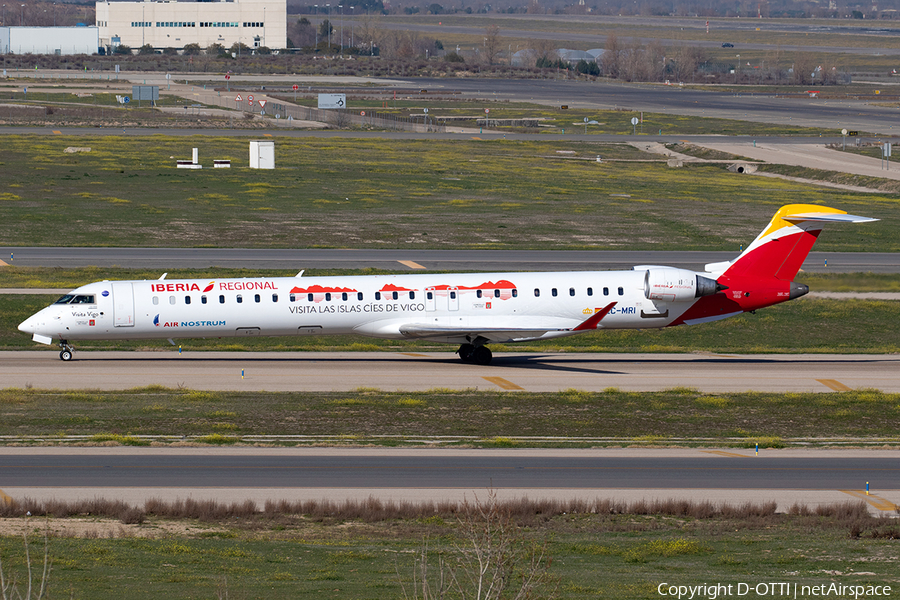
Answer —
(27, 326)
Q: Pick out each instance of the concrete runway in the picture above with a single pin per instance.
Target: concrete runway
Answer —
(734, 476)
(533, 372)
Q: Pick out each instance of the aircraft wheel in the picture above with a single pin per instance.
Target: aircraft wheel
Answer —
(482, 355)
(465, 352)
(65, 355)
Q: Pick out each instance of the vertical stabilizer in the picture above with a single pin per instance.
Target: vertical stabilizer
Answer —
(781, 248)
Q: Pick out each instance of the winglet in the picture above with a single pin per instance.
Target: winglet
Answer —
(594, 320)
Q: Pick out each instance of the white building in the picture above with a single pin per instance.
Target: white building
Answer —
(49, 40)
(164, 24)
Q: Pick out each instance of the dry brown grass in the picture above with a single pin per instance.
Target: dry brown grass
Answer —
(372, 510)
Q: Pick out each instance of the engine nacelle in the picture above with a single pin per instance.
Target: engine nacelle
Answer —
(668, 284)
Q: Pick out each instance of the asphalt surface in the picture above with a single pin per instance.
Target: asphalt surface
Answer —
(446, 260)
(867, 115)
(701, 471)
(734, 476)
(421, 371)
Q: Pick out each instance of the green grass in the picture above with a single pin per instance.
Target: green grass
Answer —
(354, 193)
(483, 418)
(593, 555)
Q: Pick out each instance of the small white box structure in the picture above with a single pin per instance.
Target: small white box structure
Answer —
(194, 163)
(262, 154)
(221, 164)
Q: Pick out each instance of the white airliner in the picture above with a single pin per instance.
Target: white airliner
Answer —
(472, 310)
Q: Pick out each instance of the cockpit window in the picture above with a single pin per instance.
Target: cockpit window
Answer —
(76, 299)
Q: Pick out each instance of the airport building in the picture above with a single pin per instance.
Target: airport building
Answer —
(49, 40)
(254, 23)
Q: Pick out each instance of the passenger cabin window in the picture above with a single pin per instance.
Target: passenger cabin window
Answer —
(187, 299)
(171, 299)
(155, 300)
(221, 299)
(309, 297)
(553, 292)
(378, 295)
(240, 299)
(412, 295)
(274, 297)
(621, 291)
(453, 295)
(571, 291)
(293, 297)
(606, 291)
(257, 298)
(496, 293)
(359, 296)
(515, 293)
(344, 296)
(328, 296)
(202, 299)
(395, 295)
(537, 293)
(478, 293)
(590, 291)
(429, 295)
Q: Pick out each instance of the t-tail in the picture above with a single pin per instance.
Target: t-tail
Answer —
(764, 273)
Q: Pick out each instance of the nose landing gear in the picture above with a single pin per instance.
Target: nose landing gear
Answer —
(67, 351)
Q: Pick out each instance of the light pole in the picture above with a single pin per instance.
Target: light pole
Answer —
(341, 6)
(316, 27)
(328, 18)
(22, 22)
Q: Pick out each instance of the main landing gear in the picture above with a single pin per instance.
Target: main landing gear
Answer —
(480, 355)
(66, 352)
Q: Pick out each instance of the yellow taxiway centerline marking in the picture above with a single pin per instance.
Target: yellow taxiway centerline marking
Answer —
(414, 354)
(5, 497)
(503, 383)
(879, 503)
(411, 264)
(723, 453)
(57, 132)
(267, 135)
(834, 384)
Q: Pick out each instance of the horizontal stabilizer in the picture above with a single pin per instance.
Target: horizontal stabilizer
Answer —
(827, 218)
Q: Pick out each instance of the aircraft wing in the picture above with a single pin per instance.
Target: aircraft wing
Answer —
(414, 330)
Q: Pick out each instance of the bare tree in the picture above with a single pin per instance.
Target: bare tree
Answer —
(612, 57)
(9, 585)
(492, 560)
(804, 65)
(367, 34)
(492, 44)
(544, 49)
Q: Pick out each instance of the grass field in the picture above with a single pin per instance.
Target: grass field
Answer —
(606, 550)
(481, 418)
(405, 194)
